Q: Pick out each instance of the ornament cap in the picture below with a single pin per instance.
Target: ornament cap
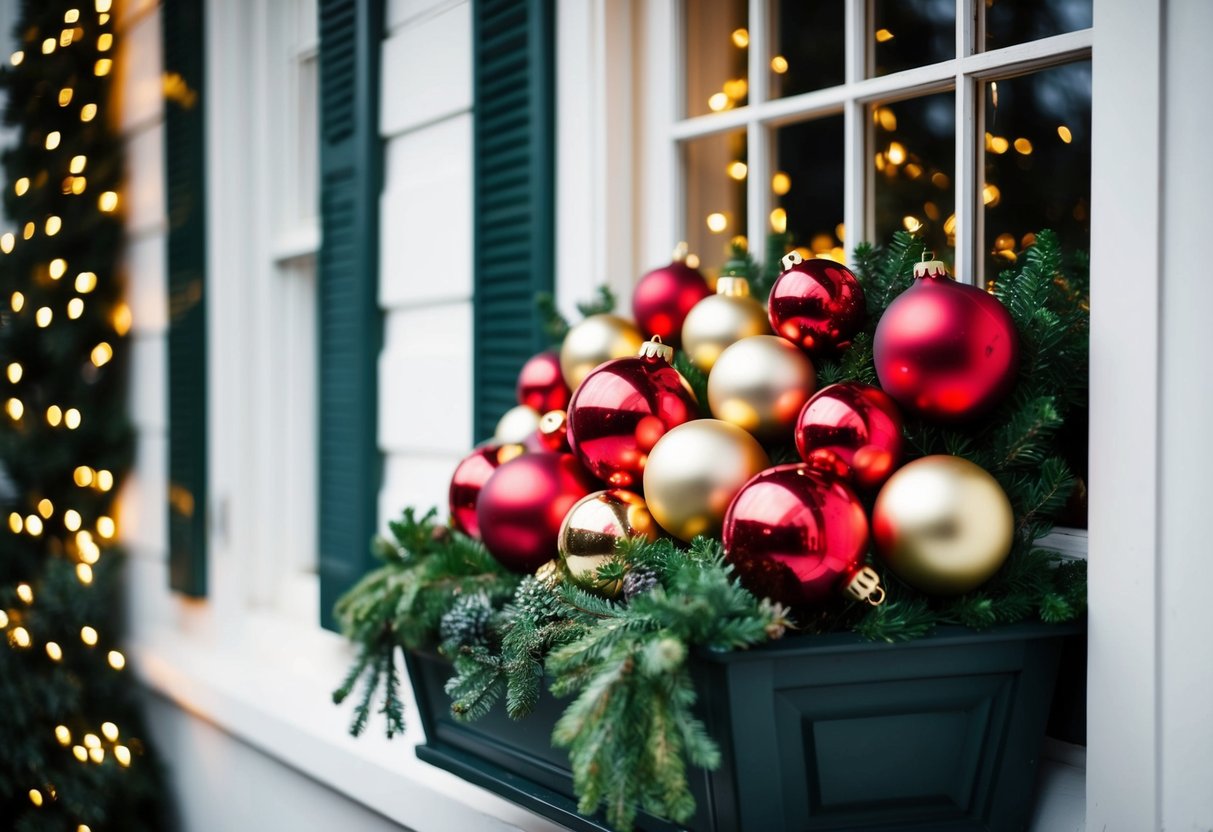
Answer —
(654, 348)
(930, 267)
(732, 286)
(553, 422)
(864, 585)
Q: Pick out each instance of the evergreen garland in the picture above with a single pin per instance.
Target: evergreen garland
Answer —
(72, 753)
(630, 727)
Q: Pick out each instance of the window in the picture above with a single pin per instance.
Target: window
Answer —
(967, 122)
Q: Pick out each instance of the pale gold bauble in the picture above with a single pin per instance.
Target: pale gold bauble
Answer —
(721, 319)
(591, 529)
(597, 339)
(516, 424)
(760, 384)
(943, 524)
(693, 473)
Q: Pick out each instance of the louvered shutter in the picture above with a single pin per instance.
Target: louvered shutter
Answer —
(350, 326)
(185, 192)
(513, 74)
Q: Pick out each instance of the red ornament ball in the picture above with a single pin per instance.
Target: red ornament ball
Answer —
(621, 410)
(663, 297)
(795, 535)
(523, 503)
(817, 304)
(469, 478)
(541, 384)
(854, 427)
(946, 350)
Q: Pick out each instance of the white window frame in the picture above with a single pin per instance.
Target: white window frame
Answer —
(1149, 723)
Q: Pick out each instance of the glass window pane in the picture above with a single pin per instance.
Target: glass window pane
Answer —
(716, 195)
(909, 33)
(1018, 21)
(807, 185)
(717, 42)
(1037, 161)
(808, 49)
(914, 147)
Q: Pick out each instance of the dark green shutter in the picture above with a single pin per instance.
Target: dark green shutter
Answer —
(185, 192)
(513, 72)
(351, 33)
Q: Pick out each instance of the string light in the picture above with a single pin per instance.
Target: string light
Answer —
(779, 64)
(97, 755)
(79, 183)
(33, 525)
(21, 186)
(104, 42)
(737, 170)
(14, 372)
(101, 354)
(71, 519)
(718, 101)
(102, 67)
(28, 231)
(1064, 134)
(884, 36)
(75, 308)
(16, 523)
(54, 415)
(781, 183)
(741, 38)
(66, 37)
(20, 637)
(80, 753)
(105, 527)
(14, 408)
(57, 268)
(83, 476)
(88, 112)
(105, 480)
(17, 57)
(46, 508)
(122, 319)
(89, 636)
(84, 573)
(104, 5)
(25, 593)
(3, 619)
(54, 651)
(109, 730)
(48, 46)
(71, 418)
(123, 755)
(65, 96)
(108, 201)
(83, 828)
(52, 140)
(43, 316)
(717, 222)
(53, 224)
(86, 282)
(35, 797)
(77, 164)
(6, 244)
(63, 735)
(779, 220)
(92, 741)
(71, 15)
(117, 660)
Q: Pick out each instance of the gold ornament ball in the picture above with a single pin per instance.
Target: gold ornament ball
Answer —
(693, 473)
(591, 529)
(597, 339)
(721, 319)
(943, 524)
(760, 384)
(516, 425)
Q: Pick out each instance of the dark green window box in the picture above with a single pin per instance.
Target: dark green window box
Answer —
(827, 732)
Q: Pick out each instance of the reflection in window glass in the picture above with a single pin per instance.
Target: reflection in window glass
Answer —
(1019, 21)
(807, 186)
(809, 46)
(716, 174)
(717, 42)
(914, 149)
(910, 33)
(1037, 161)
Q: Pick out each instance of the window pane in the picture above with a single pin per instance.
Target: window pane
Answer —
(915, 160)
(909, 33)
(1037, 161)
(716, 195)
(807, 185)
(808, 47)
(716, 49)
(1019, 21)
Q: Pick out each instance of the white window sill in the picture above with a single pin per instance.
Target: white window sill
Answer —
(272, 690)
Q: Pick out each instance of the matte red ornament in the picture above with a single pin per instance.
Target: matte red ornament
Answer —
(663, 297)
(466, 483)
(816, 304)
(523, 503)
(796, 535)
(622, 408)
(946, 350)
(855, 427)
(541, 384)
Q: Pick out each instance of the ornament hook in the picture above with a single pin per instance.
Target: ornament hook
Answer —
(865, 586)
(654, 348)
(929, 266)
(792, 258)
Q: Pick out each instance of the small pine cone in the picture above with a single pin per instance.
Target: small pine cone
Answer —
(466, 622)
(638, 581)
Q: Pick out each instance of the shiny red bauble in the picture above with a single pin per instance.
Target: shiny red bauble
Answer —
(469, 478)
(663, 297)
(817, 305)
(795, 535)
(852, 427)
(523, 503)
(946, 350)
(541, 384)
(621, 410)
